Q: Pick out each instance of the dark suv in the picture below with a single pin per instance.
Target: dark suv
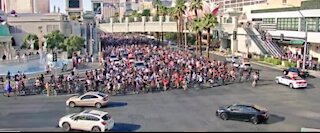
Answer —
(302, 74)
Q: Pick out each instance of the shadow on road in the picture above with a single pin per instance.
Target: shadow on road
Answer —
(275, 119)
(116, 104)
(310, 86)
(125, 127)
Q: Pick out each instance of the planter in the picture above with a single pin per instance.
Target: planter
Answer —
(282, 63)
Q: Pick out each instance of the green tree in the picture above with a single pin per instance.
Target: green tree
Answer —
(30, 37)
(73, 44)
(210, 22)
(54, 40)
(195, 6)
(198, 26)
(146, 12)
(163, 11)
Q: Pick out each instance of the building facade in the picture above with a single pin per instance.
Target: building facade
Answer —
(26, 6)
(24, 24)
(104, 9)
(292, 25)
(74, 8)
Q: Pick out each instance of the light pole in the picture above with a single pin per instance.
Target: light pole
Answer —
(305, 46)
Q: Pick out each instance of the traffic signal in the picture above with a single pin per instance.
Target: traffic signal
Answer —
(234, 35)
(281, 37)
(55, 57)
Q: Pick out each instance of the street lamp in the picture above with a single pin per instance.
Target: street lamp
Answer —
(305, 39)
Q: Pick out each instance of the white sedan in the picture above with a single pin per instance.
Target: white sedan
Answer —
(95, 121)
(292, 82)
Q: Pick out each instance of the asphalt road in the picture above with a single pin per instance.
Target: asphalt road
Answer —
(178, 110)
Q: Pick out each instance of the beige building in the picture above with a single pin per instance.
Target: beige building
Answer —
(74, 8)
(25, 24)
(26, 6)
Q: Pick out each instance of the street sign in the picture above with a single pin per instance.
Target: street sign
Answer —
(296, 42)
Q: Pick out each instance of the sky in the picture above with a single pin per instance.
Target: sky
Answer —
(61, 4)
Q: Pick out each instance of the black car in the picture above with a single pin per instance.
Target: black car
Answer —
(302, 74)
(252, 113)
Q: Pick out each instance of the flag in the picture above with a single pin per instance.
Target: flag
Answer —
(215, 11)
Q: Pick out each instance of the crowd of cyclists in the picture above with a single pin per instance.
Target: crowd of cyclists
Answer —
(163, 68)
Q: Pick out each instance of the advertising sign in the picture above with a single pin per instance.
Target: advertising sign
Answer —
(97, 7)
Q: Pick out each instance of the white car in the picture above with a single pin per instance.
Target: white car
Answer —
(233, 59)
(292, 82)
(113, 58)
(139, 65)
(95, 121)
(245, 66)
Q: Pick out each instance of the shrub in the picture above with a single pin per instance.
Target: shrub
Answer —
(276, 62)
(287, 64)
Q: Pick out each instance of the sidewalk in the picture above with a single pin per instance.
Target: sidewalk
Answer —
(264, 64)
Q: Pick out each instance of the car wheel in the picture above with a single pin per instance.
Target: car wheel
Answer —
(224, 116)
(285, 72)
(98, 105)
(95, 129)
(66, 126)
(277, 81)
(72, 104)
(291, 86)
(254, 120)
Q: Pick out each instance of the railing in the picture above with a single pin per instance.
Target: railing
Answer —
(20, 60)
(274, 47)
(139, 19)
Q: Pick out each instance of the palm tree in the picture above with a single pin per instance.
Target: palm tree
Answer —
(179, 10)
(209, 21)
(175, 15)
(197, 26)
(157, 4)
(196, 5)
(163, 12)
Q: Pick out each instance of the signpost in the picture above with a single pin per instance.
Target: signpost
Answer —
(297, 42)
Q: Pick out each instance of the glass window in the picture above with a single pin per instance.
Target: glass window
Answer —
(287, 24)
(88, 97)
(80, 117)
(268, 20)
(313, 24)
(92, 118)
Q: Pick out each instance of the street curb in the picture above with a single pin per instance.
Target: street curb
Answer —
(260, 64)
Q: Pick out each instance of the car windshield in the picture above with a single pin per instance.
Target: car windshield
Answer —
(293, 70)
(101, 94)
(260, 108)
(296, 78)
(140, 64)
(106, 117)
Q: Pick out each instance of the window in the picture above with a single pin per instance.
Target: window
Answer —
(311, 23)
(51, 28)
(74, 4)
(268, 20)
(250, 109)
(80, 117)
(88, 97)
(318, 24)
(92, 118)
(288, 24)
(284, 1)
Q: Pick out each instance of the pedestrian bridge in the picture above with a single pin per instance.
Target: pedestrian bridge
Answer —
(147, 24)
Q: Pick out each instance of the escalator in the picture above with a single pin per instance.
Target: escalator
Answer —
(257, 41)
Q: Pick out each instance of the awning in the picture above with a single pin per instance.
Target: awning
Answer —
(5, 35)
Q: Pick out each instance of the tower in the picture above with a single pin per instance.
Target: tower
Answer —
(74, 8)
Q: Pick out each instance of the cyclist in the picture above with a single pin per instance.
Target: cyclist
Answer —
(255, 79)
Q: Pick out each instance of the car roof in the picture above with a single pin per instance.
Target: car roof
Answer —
(93, 93)
(94, 112)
